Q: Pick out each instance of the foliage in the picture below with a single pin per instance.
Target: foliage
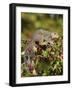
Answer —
(48, 61)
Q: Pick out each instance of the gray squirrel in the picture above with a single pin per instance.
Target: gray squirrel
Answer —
(40, 37)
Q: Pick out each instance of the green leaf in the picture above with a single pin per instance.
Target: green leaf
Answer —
(45, 53)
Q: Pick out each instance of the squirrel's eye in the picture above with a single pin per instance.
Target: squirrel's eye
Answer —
(37, 42)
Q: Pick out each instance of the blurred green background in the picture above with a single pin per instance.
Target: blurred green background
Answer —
(30, 22)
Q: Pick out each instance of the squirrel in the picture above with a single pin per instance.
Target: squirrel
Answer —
(40, 40)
